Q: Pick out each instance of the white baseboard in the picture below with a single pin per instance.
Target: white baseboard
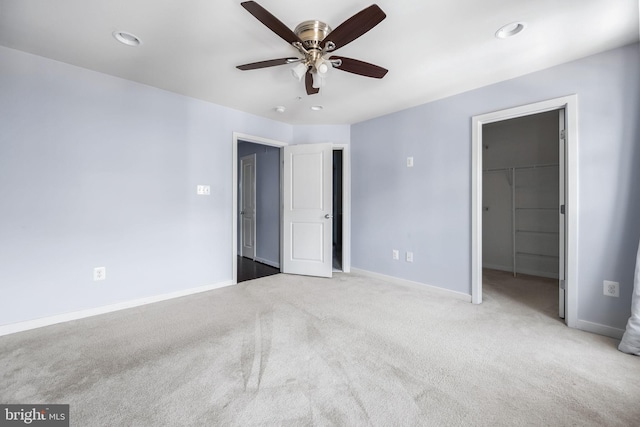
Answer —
(12, 328)
(599, 329)
(267, 262)
(397, 280)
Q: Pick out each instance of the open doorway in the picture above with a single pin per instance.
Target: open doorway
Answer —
(568, 140)
(337, 210)
(258, 210)
(268, 239)
(521, 218)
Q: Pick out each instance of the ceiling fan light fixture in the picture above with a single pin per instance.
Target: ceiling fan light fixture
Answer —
(313, 40)
(299, 71)
(323, 66)
(127, 38)
(510, 30)
(312, 33)
(318, 80)
(323, 69)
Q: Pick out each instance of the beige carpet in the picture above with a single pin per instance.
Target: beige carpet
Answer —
(351, 351)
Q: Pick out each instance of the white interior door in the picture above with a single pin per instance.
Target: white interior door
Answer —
(307, 211)
(248, 206)
(561, 220)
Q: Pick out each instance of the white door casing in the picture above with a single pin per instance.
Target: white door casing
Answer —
(238, 137)
(248, 206)
(307, 210)
(570, 105)
(561, 213)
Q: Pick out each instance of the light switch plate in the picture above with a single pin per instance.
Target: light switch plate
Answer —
(99, 273)
(409, 162)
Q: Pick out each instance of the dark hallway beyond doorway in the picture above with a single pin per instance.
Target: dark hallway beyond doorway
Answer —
(249, 270)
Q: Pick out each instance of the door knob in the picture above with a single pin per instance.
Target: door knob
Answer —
(241, 212)
(328, 216)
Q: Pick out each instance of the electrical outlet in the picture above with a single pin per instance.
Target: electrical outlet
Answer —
(611, 289)
(203, 190)
(99, 273)
(409, 257)
(396, 254)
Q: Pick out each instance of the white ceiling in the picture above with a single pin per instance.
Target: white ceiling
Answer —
(432, 48)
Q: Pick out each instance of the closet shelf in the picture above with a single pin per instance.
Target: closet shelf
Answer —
(537, 255)
(521, 167)
(531, 186)
(535, 192)
(537, 232)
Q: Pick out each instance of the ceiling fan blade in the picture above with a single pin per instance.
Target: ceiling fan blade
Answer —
(269, 63)
(273, 23)
(308, 83)
(355, 26)
(360, 67)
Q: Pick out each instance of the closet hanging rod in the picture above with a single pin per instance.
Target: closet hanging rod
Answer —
(521, 167)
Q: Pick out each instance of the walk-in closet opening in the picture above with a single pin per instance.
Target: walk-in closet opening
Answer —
(522, 222)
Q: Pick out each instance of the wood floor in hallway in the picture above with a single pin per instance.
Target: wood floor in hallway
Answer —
(249, 269)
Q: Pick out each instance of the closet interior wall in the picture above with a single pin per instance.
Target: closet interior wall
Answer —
(520, 195)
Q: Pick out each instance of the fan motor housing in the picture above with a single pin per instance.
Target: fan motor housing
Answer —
(312, 33)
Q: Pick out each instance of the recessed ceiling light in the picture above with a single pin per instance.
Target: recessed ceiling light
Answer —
(510, 30)
(316, 107)
(280, 109)
(127, 38)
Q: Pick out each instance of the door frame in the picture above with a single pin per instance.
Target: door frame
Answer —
(346, 197)
(346, 206)
(570, 105)
(254, 221)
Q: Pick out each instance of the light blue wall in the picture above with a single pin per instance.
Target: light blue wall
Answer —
(426, 209)
(308, 134)
(100, 171)
(267, 200)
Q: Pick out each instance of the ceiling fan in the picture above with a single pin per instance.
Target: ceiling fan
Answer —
(316, 41)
